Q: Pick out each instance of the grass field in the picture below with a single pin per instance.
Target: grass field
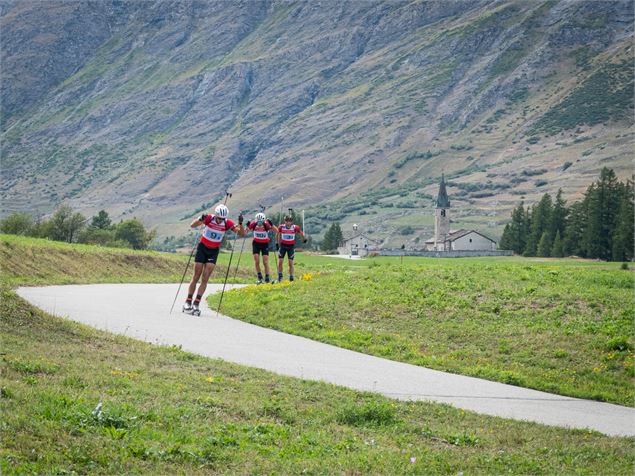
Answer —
(75, 400)
(562, 326)
(32, 261)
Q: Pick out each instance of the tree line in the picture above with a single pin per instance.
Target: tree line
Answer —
(73, 227)
(599, 226)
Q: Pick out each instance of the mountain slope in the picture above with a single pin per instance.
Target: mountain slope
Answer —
(356, 106)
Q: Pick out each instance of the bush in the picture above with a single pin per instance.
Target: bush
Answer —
(17, 224)
(134, 233)
(619, 343)
(369, 413)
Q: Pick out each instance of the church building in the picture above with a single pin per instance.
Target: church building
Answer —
(445, 239)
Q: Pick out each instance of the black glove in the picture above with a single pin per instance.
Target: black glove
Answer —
(202, 217)
(277, 247)
(248, 223)
(305, 240)
(240, 219)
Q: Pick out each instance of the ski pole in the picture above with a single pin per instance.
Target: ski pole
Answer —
(242, 247)
(184, 272)
(226, 275)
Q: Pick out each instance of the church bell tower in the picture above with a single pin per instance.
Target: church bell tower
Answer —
(441, 218)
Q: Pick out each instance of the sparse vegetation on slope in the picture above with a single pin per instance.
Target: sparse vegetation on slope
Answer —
(607, 95)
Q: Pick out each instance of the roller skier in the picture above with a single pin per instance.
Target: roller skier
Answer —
(260, 245)
(285, 242)
(216, 226)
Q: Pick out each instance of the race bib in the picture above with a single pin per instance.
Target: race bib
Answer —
(288, 236)
(261, 235)
(213, 235)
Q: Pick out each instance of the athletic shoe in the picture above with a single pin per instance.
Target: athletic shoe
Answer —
(259, 281)
(187, 307)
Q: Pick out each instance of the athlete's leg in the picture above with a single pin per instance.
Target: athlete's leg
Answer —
(207, 272)
(257, 262)
(265, 260)
(198, 270)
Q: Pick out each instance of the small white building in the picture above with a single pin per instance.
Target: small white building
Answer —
(357, 245)
(445, 239)
(463, 240)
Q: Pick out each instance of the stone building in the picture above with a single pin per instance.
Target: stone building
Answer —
(445, 239)
(357, 245)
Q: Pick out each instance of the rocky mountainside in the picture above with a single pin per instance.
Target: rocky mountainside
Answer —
(351, 110)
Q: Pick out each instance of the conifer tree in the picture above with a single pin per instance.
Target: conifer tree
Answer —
(575, 227)
(557, 250)
(540, 222)
(558, 215)
(544, 245)
(506, 240)
(333, 237)
(602, 202)
(622, 246)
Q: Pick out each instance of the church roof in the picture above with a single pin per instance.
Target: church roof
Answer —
(361, 235)
(442, 198)
(456, 234)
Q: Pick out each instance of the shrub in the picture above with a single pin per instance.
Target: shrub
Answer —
(619, 343)
(17, 224)
(369, 413)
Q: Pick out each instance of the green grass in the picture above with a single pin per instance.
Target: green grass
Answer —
(78, 400)
(549, 325)
(35, 261)
(75, 400)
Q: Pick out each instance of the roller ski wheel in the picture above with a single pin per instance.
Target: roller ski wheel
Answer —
(196, 312)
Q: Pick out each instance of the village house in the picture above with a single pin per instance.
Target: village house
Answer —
(357, 245)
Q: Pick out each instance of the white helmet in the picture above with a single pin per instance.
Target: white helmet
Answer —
(221, 211)
(260, 217)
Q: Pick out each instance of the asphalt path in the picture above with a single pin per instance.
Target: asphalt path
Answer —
(141, 311)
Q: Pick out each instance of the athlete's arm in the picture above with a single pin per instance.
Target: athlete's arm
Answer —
(238, 229)
(198, 221)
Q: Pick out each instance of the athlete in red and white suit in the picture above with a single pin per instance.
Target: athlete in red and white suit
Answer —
(285, 238)
(208, 248)
(261, 226)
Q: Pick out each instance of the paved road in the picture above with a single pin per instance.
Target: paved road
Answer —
(141, 311)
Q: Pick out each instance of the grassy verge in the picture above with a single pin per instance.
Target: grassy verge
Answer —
(33, 261)
(556, 325)
(77, 400)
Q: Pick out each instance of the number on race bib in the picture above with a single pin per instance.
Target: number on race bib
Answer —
(213, 235)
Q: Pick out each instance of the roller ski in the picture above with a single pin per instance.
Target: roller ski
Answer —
(192, 310)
